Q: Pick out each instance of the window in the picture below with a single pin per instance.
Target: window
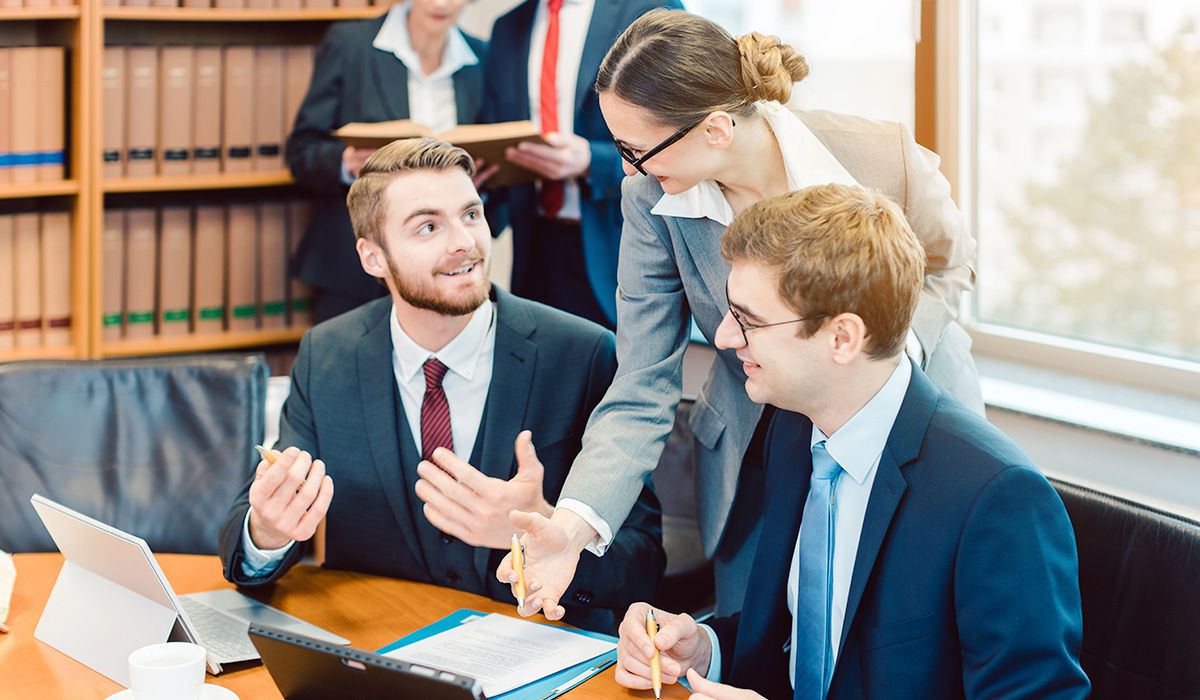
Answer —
(1090, 230)
(861, 53)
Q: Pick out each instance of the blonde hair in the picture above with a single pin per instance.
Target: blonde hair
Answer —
(681, 67)
(837, 249)
(365, 200)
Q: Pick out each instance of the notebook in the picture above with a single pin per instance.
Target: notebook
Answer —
(112, 598)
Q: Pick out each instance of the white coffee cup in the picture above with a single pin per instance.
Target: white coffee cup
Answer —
(168, 671)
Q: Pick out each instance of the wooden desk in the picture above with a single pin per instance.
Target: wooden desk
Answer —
(371, 611)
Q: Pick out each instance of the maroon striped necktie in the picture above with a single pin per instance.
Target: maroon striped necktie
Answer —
(435, 411)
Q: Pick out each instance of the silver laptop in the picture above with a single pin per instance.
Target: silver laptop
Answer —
(111, 597)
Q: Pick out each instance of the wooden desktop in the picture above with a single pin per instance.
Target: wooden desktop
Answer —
(371, 611)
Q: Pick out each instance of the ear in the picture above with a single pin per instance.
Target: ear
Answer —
(718, 129)
(848, 337)
(372, 258)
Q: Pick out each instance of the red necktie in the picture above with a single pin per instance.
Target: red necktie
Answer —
(552, 190)
(435, 411)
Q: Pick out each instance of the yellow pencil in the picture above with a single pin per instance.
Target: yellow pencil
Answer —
(519, 565)
(655, 662)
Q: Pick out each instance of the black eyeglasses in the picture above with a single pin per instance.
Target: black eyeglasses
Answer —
(750, 326)
(627, 153)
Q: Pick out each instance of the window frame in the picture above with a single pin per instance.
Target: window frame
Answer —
(951, 68)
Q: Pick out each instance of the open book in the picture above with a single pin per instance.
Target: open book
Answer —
(486, 141)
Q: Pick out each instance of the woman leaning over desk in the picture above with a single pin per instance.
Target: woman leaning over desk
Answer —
(700, 115)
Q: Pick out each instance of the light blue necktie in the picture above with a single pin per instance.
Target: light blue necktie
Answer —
(814, 661)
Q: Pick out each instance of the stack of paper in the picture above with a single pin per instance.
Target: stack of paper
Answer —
(505, 653)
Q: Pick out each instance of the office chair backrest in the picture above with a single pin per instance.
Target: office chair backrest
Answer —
(1139, 577)
(154, 446)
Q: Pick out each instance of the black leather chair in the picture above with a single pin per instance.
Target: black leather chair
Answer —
(155, 446)
(1139, 578)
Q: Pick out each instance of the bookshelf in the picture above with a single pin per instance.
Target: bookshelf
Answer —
(61, 26)
(84, 30)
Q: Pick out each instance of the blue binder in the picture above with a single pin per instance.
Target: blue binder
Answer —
(541, 689)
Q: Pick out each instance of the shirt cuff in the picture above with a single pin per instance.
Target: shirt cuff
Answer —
(258, 562)
(912, 345)
(714, 664)
(604, 534)
(347, 178)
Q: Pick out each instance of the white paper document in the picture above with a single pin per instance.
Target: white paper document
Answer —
(8, 575)
(503, 652)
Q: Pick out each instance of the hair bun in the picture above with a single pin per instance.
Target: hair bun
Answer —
(769, 67)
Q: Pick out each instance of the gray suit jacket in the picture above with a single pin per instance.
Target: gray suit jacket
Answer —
(550, 370)
(671, 269)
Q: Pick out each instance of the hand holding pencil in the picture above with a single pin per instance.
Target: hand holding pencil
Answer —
(289, 497)
(656, 647)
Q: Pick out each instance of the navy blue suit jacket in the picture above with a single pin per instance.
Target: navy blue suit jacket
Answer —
(965, 583)
(353, 82)
(506, 98)
(549, 371)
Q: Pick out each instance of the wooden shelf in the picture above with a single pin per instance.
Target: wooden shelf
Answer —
(212, 14)
(223, 181)
(39, 353)
(200, 343)
(57, 188)
(32, 13)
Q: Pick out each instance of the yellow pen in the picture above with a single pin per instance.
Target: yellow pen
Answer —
(655, 662)
(269, 455)
(519, 564)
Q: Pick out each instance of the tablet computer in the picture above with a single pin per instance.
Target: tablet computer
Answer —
(305, 668)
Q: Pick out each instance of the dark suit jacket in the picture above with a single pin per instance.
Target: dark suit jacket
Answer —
(506, 84)
(550, 370)
(966, 582)
(352, 82)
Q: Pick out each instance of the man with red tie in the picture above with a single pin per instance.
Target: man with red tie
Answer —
(542, 63)
(392, 404)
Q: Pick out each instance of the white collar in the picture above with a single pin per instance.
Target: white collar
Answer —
(393, 37)
(805, 159)
(857, 445)
(461, 354)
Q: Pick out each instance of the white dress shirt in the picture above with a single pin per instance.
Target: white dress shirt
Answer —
(857, 447)
(573, 20)
(431, 99)
(469, 358)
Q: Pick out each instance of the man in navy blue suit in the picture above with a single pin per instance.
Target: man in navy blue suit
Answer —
(909, 549)
(567, 228)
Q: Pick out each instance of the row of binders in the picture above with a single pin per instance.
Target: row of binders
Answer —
(37, 3)
(239, 4)
(32, 116)
(183, 110)
(35, 279)
(203, 269)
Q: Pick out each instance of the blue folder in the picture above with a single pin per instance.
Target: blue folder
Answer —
(541, 689)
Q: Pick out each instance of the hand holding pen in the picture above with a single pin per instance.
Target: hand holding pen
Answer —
(677, 643)
(289, 497)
